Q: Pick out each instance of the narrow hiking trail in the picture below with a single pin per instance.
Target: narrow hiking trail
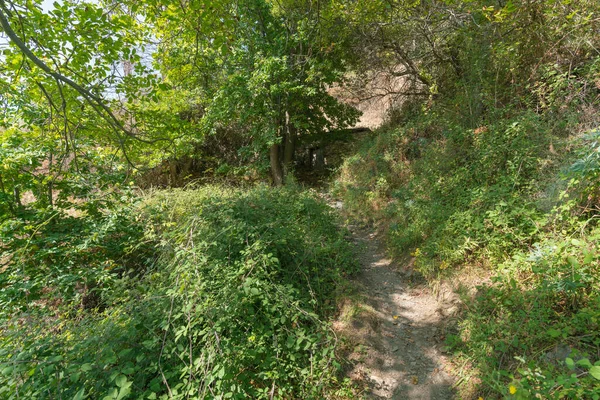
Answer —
(397, 331)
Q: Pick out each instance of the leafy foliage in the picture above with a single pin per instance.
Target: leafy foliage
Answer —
(221, 292)
(230, 303)
(505, 196)
(455, 194)
(537, 326)
(489, 171)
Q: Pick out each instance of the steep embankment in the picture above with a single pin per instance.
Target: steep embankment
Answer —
(515, 199)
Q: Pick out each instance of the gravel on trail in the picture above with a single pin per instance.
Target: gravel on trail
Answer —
(398, 334)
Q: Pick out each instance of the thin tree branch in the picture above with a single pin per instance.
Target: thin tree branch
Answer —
(95, 101)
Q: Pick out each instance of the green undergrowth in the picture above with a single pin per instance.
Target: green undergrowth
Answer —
(227, 296)
(453, 194)
(517, 196)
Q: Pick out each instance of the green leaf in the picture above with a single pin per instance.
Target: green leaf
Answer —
(125, 391)
(553, 332)
(79, 395)
(595, 372)
(584, 362)
(121, 380)
(112, 394)
(570, 363)
(75, 377)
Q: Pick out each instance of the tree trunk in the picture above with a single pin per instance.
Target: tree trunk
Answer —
(319, 159)
(290, 148)
(172, 172)
(276, 170)
(50, 183)
(17, 194)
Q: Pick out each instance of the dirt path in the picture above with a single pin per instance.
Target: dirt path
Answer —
(396, 331)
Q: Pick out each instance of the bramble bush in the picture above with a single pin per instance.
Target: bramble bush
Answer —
(231, 302)
(537, 325)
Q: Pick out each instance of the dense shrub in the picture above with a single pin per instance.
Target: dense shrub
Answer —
(231, 305)
(537, 327)
(509, 197)
(459, 194)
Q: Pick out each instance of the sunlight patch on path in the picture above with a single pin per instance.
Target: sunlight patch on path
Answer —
(397, 332)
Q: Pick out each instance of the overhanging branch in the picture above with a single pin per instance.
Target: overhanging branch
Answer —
(95, 101)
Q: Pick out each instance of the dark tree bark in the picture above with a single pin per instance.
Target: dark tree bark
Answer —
(290, 147)
(276, 170)
(51, 183)
(319, 159)
(17, 194)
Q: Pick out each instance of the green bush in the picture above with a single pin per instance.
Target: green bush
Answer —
(505, 196)
(538, 325)
(456, 194)
(233, 304)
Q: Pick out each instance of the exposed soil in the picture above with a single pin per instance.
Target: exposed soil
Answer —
(395, 332)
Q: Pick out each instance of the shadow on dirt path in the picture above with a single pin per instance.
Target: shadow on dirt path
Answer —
(397, 331)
